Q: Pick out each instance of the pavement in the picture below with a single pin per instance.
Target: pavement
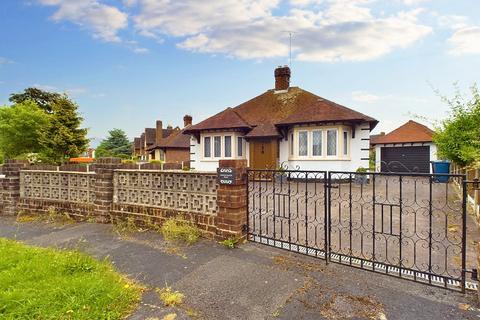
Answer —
(250, 282)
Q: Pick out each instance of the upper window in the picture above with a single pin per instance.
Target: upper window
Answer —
(332, 142)
(317, 142)
(217, 146)
(207, 144)
(228, 146)
(240, 146)
(303, 143)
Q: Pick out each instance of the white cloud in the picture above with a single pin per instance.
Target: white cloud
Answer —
(414, 2)
(104, 21)
(141, 50)
(465, 41)
(453, 21)
(362, 96)
(45, 87)
(5, 61)
(331, 30)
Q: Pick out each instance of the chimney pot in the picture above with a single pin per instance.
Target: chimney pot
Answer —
(282, 78)
(187, 120)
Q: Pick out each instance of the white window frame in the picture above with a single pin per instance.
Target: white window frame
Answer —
(324, 129)
(234, 136)
(307, 134)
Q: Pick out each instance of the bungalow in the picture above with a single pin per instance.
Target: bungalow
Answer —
(174, 147)
(285, 126)
(167, 145)
(409, 148)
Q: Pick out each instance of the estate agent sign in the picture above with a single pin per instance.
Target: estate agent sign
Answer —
(226, 175)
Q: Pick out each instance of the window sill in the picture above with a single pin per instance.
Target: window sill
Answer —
(318, 159)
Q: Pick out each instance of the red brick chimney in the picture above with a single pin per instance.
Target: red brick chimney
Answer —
(282, 78)
(187, 120)
(158, 131)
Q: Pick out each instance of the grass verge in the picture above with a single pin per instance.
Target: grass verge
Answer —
(40, 283)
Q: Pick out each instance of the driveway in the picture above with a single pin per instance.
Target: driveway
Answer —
(251, 282)
(410, 222)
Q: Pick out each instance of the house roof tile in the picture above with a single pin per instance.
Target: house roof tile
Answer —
(411, 131)
(266, 112)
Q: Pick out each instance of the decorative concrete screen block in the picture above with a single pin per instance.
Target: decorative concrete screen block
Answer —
(58, 185)
(181, 191)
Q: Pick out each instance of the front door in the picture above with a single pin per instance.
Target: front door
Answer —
(263, 153)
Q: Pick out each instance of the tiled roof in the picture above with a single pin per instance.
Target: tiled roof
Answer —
(150, 136)
(176, 139)
(264, 113)
(409, 132)
(137, 143)
(227, 119)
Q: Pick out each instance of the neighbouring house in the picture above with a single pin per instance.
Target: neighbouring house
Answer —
(175, 146)
(409, 148)
(167, 145)
(285, 126)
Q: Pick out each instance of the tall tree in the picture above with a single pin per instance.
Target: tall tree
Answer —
(115, 145)
(458, 136)
(21, 128)
(63, 137)
(43, 99)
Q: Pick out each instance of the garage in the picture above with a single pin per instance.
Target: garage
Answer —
(405, 159)
(409, 148)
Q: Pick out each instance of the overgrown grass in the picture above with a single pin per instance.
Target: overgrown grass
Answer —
(179, 230)
(169, 297)
(52, 216)
(230, 243)
(39, 283)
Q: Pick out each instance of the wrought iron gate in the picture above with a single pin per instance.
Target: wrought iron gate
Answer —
(407, 225)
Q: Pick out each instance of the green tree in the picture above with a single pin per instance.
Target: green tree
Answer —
(43, 99)
(21, 128)
(115, 145)
(458, 137)
(63, 137)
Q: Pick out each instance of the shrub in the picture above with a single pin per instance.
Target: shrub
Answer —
(156, 161)
(178, 229)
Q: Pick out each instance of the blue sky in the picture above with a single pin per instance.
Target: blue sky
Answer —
(128, 63)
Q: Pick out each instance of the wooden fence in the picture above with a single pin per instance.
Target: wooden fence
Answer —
(473, 194)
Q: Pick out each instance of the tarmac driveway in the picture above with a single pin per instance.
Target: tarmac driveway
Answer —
(251, 282)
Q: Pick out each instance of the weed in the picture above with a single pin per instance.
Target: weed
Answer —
(178, 229)
(230, 243)
(124, 226)
(169, 297)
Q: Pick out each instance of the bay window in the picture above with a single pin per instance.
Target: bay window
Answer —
(207, 147)
(320, 142)
(303, 143)
(332, 142)
(317, 142)
(217, 146)
(228, 146)
(239, 147)
(345, 143)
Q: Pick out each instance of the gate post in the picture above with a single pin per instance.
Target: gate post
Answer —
(10, 185)
(104, 187)
(232, 199)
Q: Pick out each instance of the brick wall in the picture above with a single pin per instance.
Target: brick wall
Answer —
(116, 190)
(177, 155)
